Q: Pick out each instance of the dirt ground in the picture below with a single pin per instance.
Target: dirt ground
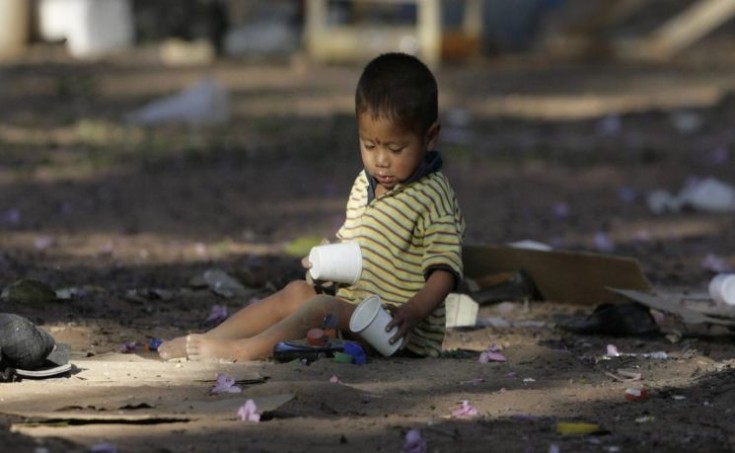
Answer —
(559, 152)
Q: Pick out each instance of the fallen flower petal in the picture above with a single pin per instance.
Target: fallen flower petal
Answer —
(217, 314)
(466, 410)
(492, 354)
(612, 351)
(553, 448)
(248, 412)
(414, 442)
(129, 347)
(225, 384)
(335, 379)
(103, 448)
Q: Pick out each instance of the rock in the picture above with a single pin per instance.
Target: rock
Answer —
(28, 291)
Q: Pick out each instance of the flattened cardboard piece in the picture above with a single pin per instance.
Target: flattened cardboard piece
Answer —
(131, 369)
(166, 412)
(461, 310)
(673, 305)
(560, 276)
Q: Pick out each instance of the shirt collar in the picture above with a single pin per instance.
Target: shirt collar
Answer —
(432, 163)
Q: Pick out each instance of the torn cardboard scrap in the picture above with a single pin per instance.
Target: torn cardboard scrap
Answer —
(675, 305)
(559, 276)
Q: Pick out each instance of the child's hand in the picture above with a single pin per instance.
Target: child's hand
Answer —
(405, 317)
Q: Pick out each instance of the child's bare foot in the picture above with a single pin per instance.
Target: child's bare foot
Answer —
(173, 349)
(206, 348)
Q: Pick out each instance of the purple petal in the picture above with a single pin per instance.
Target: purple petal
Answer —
(560, 210)
(603, 243)
(128, 347)
(492, 354)
(103, 447)
(248, 412)
(414, 442)
(715, 264)
(335, 379)
(612, 350)
(466, 410)
(225, 384)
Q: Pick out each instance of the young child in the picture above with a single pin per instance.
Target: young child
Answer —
(401, 210)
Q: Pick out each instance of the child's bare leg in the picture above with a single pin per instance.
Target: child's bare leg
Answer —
(250, 320)
(309, 315)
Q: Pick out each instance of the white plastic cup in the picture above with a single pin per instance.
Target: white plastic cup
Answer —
(722, 289)
(340, 262)
(369, 320)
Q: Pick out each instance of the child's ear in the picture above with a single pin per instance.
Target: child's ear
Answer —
(432, 135)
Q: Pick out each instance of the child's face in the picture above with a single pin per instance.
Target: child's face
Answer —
(391, 152)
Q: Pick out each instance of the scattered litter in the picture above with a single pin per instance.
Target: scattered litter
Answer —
(204, 103)
(624, 375)
(217, 314)
(475, 381)
(414, 442)
(645, 419)
(222, 284)
(708, 194)
(248, 412)
(359, 357)
(572, 428)
(154, 344)
(225, 384)
(636, 394)
(722, 289)
(529, 244)
(492, 354)
(466, 410)
(529, 380)
(678, 397)
(612, 351)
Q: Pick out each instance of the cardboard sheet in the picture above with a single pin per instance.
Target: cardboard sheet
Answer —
(560, 276)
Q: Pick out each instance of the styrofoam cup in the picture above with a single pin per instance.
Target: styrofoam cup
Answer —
(369, 320)
(722, 289)
(340, 262)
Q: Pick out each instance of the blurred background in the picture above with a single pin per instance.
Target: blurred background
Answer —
(139, 139)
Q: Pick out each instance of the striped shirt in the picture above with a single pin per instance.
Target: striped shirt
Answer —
(404, 235)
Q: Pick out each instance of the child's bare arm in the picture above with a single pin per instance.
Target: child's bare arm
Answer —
(436, 289)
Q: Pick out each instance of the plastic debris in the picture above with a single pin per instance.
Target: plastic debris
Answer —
(224, 285)
(204, 103)
(645, 419)
(248, 412)
(466, 410)
(414, 442)
(708, 194)
(224, 384)
(636, 394)
(217, 314)
(492, 354)
(576, 428)
(612, 351)
(153, 344)
(356, 351)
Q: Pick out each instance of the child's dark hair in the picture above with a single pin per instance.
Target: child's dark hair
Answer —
(401, 88)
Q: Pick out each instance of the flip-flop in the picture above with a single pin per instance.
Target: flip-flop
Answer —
(56, 364)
